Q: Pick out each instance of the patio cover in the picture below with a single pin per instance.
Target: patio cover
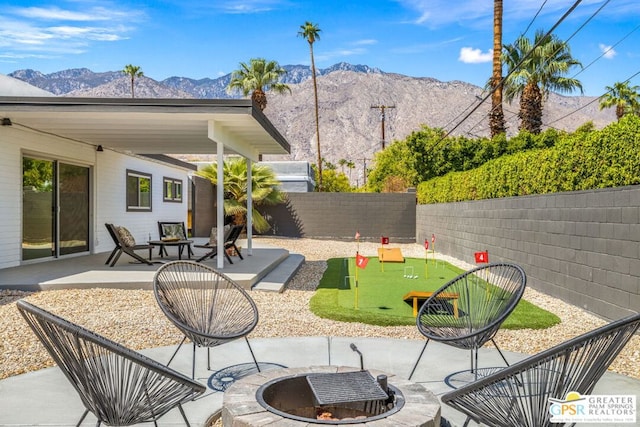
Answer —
(153, 126)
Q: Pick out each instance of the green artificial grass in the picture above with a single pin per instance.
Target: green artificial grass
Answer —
(381, 287)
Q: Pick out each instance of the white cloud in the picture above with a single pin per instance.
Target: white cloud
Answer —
(608, 51)
(248, 6)
(365, 42)
(469, 55)
(55, 30)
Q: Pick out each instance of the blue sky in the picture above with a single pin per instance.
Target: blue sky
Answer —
(443, 39)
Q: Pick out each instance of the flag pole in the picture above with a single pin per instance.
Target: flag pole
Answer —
(426, 259)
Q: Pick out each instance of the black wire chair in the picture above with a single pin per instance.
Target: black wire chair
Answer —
(207, 306)
(468, 311)
(119, 386)
(520, 395)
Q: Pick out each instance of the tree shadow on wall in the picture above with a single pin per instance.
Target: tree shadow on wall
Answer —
(283, 219)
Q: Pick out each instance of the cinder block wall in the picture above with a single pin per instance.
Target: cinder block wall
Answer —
(340, 215)
(582, 247)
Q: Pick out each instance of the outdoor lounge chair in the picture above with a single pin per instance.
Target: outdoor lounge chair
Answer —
(522, 394)
(128, 247)
(468, 311)
(119, 386)
(207, 306)
(176, 231)
(230, 238)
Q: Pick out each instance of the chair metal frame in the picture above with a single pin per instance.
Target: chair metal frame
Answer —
(119, 386)
(207, 306)
(519, 394)
(121, 247)
(484, 297)
(230, 238)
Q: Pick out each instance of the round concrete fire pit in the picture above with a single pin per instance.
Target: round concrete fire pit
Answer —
(418, 406)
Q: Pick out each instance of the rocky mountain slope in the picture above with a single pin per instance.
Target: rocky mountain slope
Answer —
(350, 97)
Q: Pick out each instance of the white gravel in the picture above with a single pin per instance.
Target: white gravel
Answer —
(133, 318)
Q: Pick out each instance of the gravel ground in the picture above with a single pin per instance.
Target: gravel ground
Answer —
(133, 318)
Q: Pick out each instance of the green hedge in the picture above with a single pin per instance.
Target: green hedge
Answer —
(579, 161)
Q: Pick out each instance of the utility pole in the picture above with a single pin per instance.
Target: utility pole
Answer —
(382, 117)
(364, 171)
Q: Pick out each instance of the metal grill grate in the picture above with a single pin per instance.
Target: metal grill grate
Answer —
(344, 387)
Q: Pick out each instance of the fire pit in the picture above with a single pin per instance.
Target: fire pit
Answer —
(328, 395)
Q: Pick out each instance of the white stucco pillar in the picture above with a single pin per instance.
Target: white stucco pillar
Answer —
(249, 208)
(220, 204)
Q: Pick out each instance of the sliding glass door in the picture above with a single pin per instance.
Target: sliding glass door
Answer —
(55, 208)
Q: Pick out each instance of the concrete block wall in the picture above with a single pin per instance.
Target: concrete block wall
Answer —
(582, 247)
(340, 215)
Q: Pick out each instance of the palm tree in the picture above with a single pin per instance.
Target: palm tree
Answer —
(351, 166)
(311, 33)
(496, 115)
(625, 98)
(535, 69)
(256, 78)
(342, 163)
(132, 71)
(265, 189)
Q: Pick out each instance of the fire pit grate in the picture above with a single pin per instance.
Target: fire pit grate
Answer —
(345, 387)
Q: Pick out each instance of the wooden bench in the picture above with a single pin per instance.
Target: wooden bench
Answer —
(420, 296)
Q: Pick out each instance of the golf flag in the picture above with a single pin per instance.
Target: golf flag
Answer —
(357, 235)
(384, 240)
(361, 261)
(482, 257)
(426, 245)
(433, 239)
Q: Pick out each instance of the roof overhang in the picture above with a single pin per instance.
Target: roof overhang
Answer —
(151, 126)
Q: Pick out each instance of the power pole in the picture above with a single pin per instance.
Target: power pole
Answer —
(364, 171)
(382, 117)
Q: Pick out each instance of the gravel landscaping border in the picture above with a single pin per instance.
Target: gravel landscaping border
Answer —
(133, 318)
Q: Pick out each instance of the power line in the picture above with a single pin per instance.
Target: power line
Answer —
(593, 100)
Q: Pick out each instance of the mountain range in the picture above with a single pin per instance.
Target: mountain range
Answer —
(351, 98)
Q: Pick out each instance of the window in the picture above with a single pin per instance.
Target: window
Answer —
(138, 191)
(172, 190)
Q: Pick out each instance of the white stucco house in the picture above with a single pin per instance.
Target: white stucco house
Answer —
(70, 165)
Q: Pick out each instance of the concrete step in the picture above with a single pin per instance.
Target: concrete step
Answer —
(277, 279)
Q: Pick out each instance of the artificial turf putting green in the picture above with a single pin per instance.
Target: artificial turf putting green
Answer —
(381, 288)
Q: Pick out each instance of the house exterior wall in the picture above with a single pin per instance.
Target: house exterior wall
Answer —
(107, 177)
(582, 247)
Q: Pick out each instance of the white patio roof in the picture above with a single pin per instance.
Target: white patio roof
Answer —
(151, 126)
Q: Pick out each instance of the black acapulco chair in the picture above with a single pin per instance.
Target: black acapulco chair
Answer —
(119, 386)
(520, 394)
(205, 305)
(468, 311)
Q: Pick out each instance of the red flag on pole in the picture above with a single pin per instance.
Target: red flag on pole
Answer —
(357, 235)
(433, 238)
(482, 257)
(426, 244)
(361, 261)
(384, 240)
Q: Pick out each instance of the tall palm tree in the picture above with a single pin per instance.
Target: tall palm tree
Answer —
(311, 32)
(496, 115)
(257, 77)
(265, 189)
(132, 71)
(536, 68)
(624, 97)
